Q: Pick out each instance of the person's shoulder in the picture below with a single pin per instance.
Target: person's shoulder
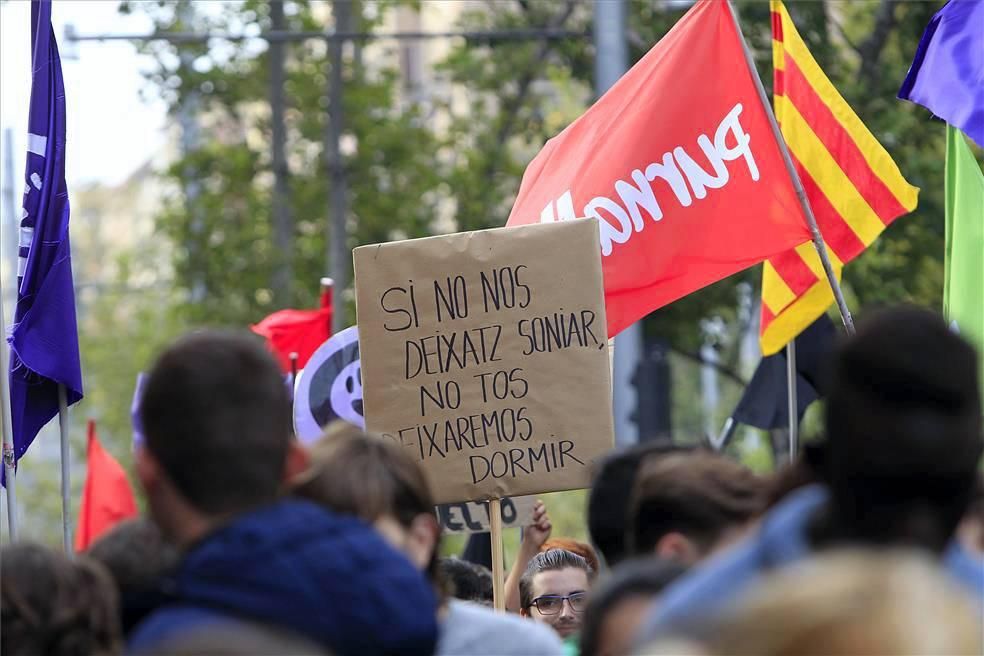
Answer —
(170, 622)
(705, 590)
(966, 569)
(474, 629)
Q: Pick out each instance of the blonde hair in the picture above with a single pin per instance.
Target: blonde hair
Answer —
(580, 548)
(852, 603)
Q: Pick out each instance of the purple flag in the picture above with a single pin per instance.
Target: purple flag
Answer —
(947, 73)
(138, 390)
(44, 341)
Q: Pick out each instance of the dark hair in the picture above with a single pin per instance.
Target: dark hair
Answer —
(467, 580)
(549, 561)
(904, 430)
(611, 492)
(216, 415)
(138, 558)
(639, 577)
(358, 474)
(700, 494)
(55, 606)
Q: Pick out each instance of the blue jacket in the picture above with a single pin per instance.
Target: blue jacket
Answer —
(293, 565)
(780, 540)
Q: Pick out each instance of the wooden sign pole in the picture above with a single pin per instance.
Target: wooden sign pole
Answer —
(498, 575)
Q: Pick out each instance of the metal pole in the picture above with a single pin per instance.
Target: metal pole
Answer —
(338, 253)
(192, 187)
(791, 397)
(10, 257)
(66, 481)
(283, 226)
(611, 61)
(527, 34)
(811, 220)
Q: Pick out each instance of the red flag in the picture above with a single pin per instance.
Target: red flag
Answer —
(107, 498)
(678, 163)
(297, 331)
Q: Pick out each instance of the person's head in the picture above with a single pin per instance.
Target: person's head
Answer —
(136, 555)
(620, 603)
(688, 504)
(848, 603)
(904, 432)
(357, 474)
(611, 492)
(580, 548)
(55, 606)
(216, 421)
(467, 581)
(554, 590)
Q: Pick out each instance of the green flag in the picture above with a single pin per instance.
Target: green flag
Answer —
(963, 291)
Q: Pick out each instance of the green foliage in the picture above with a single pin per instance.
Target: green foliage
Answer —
(405, 172)
(415, 168)
(221, 221)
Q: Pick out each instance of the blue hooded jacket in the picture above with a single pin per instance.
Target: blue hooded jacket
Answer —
(295, 566)
(780, 540)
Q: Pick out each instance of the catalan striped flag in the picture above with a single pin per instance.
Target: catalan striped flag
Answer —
(854, 187)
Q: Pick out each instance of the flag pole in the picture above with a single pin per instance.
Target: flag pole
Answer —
(9, 458)
(65, 469)
(791, 396)
(811, 220)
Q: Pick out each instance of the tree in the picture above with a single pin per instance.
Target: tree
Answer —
(222, 218)
(406, 169)
(905, 264)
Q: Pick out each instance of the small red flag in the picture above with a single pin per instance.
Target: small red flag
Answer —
(297, 331)
(679, 164)
(107, 498)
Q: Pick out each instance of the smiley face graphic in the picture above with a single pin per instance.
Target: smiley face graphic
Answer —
(329, 387)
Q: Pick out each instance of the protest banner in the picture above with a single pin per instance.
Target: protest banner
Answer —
(473, 516)
(680, 165)
(484, 354)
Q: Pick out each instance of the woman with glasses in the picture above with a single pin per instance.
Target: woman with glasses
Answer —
(554, 590)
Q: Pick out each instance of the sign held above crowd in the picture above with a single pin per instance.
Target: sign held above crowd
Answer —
(485, 355)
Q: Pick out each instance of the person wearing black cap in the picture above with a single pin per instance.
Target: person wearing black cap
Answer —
(897, 469)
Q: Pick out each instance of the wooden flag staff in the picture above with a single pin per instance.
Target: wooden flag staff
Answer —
(498, 573)
(811, 220)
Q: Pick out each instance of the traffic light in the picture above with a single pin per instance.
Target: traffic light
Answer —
(652, 383)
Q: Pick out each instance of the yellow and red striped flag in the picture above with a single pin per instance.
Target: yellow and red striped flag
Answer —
(854, 187)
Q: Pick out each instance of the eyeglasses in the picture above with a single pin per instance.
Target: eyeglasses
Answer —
(552, 604)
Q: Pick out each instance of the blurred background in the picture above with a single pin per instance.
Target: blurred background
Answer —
(224, 156)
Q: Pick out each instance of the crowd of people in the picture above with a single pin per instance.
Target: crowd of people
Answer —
(872, 542)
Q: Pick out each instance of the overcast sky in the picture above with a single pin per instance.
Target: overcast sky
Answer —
(111, 131)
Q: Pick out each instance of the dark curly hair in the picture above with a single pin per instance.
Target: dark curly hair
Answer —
(54, 606)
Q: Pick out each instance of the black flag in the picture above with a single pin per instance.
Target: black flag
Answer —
(765, 402)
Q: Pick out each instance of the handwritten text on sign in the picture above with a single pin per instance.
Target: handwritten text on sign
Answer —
(485, 355)
(473, 516)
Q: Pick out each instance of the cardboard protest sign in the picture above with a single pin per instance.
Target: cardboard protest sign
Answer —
(484, 354)
(473, 516)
